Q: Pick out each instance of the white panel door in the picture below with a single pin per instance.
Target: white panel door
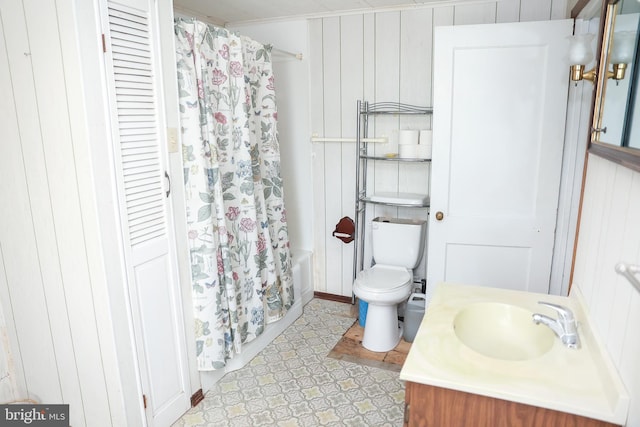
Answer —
(139, 148)
(500, 97)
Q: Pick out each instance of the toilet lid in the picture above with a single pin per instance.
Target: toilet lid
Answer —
(382, 278)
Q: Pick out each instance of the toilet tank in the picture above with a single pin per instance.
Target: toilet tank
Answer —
(398, 242)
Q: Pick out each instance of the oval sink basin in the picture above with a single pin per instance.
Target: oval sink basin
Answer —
(502, 331)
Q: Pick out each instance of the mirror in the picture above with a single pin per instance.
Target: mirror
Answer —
(619, 91)
(615, 106)
(631, 135)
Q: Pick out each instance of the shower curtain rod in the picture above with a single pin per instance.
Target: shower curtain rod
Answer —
(297, 56)
(183, 14)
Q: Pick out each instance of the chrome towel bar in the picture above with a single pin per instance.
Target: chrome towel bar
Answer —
(629, 271)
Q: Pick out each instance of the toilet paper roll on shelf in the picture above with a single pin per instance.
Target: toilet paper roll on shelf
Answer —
(408, 144)
(423, 151)
(425, 144)
(408, 151)
(426, 136)
(408, 137)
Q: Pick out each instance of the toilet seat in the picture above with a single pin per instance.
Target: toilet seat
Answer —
(381, 279)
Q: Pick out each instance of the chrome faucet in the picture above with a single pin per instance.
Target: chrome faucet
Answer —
(565, 326)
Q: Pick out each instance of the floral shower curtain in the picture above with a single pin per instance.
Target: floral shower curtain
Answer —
(239, 245)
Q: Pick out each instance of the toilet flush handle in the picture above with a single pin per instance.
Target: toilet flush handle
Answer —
(439, 216)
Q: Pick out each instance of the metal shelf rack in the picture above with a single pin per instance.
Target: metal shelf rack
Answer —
(364, 111)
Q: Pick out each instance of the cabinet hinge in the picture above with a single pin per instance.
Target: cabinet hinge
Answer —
(104, 44)
(144, 400)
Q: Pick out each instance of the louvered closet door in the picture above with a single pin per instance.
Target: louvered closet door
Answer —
(138, 135)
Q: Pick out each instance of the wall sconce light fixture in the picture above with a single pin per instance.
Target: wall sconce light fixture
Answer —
(621, 53)
(580, 54)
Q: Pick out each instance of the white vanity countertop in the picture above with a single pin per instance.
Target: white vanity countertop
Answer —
(582, 382)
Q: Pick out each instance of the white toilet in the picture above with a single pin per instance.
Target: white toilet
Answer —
(398, 245)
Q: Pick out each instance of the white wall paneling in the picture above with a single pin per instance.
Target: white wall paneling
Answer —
(23, 281)
(442, 16)
(369, 64)
(316, 122)
(351, 88)
(536, 10)
(48, 290)
(610, 233)
(62, 294)
(387, 88)
(481, 13)
(508, 11)
(395, 48)
(416, 41)
(331, 31)
(8, 386)
(80, 308)
(559, 9)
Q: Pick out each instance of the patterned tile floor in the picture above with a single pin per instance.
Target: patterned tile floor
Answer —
(292, 382)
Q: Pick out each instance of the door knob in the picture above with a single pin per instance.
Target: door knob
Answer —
(439, 216)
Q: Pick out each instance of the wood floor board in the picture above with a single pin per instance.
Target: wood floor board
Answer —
(350, 349)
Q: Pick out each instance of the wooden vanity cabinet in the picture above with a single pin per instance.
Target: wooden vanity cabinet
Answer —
(429, 406)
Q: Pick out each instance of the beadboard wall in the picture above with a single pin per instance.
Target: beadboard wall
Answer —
(52, 297)
(384, 56)
(64, 330)
(610, 233)
(7, 372)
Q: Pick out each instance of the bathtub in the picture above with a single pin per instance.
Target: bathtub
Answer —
(302, 264)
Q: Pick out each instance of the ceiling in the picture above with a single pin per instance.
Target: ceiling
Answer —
(224, 12)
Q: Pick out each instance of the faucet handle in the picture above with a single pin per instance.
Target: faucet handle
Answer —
(564, 312)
